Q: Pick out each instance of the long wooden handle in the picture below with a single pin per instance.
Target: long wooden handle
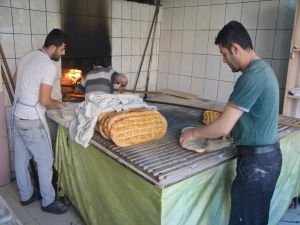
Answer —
(289, 117)
(289, 124)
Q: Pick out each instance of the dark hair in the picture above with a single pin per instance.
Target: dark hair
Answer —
(56, 37)
(234, 32)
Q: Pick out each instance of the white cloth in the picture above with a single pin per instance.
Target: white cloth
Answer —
(295, 91)
(34, 68)
(82, 127)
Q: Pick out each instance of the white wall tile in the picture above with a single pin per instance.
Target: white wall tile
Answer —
(136, 29)
(264, 43)
(185, 84)
(126, 46)
(165, 40)
(126, 64)
(21, 21)
(250, 14)
(37, 5)
(167, 3)
(145, 29)
(190, 18)
(5, 3)
(201, 42)
(6, 25)
(176, 41)
(116, 9)
(163, 62)
(217, 17)
(186, 66)
(233, 12)
(268, 14)
(174, 65)
(116, 46)
(53, 5)
(210, 89)
(135, 63)
(116, 27)
(197, 87)
(126, 10)
(136, 46)
(53, 21)
(191, 2)
(162, 81)
(11, 65)
(224, 91)
(145, 16)
(116, 62)
(225, 73)
(286, 14)
(234, 1)
(178, 3)
(126, 28)
(252, 34)
(7, 42)
(136, 11)
(23, 44)
(218, 1)
(212, 48)
(188, 41)
(173, 82)
(38, 22)
(204, 2)
(23, 4)
(38, 41)
(282, 44)
(152, 80)
(154, 62)
(203, 17)
(280, 68)
(166, 22)
(178, 18)
(213, 64)
(199, 65)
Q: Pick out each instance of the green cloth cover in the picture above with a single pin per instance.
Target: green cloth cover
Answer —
(107, 193)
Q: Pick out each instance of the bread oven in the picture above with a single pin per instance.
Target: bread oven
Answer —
(70, 78)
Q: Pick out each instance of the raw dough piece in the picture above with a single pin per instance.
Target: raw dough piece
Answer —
(201, 144)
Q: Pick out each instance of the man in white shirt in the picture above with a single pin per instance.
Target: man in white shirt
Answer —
(33, 80)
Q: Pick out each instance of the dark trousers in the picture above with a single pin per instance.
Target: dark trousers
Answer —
(253, 187)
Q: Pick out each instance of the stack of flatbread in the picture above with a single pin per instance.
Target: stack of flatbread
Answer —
(131, 127)
(201, 145)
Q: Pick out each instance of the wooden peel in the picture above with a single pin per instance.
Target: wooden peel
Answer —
(178, 94)
(288, 123)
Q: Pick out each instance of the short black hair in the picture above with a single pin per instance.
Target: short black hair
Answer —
(56, 37)
(234, 32)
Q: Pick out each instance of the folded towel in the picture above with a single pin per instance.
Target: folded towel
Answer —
(81, 128)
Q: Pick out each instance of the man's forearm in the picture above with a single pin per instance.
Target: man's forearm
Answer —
(53, 104)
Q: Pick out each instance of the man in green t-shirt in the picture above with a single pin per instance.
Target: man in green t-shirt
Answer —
(251, 115)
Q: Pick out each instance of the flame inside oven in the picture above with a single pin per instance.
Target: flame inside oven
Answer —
(74, 75)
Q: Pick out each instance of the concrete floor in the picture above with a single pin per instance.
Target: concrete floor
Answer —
(33, 215)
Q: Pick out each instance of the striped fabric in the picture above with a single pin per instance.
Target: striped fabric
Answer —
(99, 79)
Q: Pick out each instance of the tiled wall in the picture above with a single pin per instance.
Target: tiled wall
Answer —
(188, 59)
(24, 25)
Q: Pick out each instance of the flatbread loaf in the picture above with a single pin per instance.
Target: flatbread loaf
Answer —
(131, 127)
(201, 145)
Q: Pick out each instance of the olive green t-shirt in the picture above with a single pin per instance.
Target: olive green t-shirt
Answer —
(256, 93)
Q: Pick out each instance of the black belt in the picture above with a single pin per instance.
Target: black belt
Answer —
(254, 150)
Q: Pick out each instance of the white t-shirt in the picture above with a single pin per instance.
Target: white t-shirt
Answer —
(33, 69)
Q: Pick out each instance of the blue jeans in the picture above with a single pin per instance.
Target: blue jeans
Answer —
(31, 140)
(253, 187)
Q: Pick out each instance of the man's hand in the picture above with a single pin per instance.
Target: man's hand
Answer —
(123, 81)
(187, 135)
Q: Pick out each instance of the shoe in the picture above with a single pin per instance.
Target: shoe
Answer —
(35, 197)
(56, 207)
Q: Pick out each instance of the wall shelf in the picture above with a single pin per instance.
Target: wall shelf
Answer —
(291, 105)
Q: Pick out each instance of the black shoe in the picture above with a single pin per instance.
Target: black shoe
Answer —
(56, 207)
(35, 197)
